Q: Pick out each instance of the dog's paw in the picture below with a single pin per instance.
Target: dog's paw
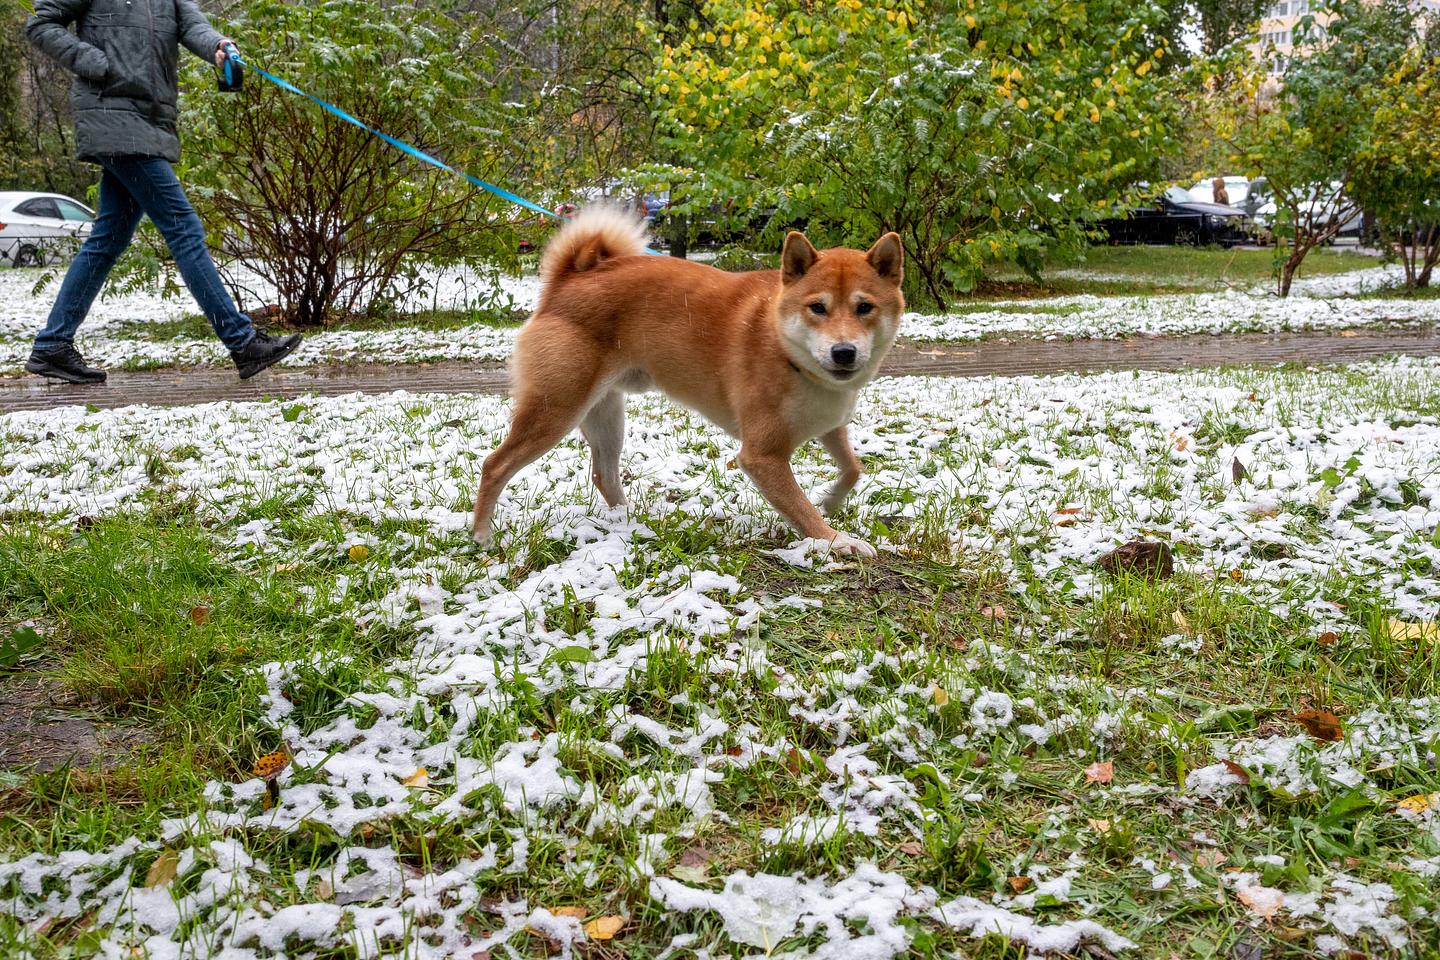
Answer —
(483, 539)
(847, 546)
(831, 503)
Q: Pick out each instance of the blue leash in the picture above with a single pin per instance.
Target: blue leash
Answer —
(234, 56)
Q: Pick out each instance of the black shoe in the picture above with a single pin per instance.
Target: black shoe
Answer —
(263, 351)
(63, 363)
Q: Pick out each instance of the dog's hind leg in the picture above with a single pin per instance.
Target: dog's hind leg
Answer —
(550, 399)
(837, 442)
(604, 430)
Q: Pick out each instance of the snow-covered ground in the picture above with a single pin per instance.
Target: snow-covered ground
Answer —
(113, 336)
(1033, 477)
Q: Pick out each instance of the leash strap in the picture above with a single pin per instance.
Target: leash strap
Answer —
(418, 154)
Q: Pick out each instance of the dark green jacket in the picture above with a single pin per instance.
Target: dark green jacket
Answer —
(124, 54)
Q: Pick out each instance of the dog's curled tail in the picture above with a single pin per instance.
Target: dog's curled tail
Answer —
(595, 234)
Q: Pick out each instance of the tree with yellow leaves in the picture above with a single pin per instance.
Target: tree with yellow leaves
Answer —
(992, 131)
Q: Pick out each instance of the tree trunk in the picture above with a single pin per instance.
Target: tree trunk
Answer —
(1432, 254)
(1287, 270)
(679, 236)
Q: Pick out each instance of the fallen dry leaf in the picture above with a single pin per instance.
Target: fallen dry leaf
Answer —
(1100, 772)
(938, 694)
(269, 766)
(1237, 470)
(1209, 859)
(1420, 802)
(324, 889)
(1328, 638)
(1320, 724)
(162, 871)
(1019, 884)
(1404, 630)
(911, 848)
(1182, 443)
(1099, 826)
(1181, 624)
(1264, 902)
(1235, 573)
(577, 912)
(996, 612)
(1237, 770)
(420, 778)
(604, 928)
(198, 615)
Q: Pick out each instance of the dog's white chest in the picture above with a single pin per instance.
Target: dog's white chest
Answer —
(816, 411)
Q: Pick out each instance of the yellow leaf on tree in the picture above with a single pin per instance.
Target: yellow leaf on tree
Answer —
(604, 928)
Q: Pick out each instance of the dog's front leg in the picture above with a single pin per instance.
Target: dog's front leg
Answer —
(837, 443)
(772, 474)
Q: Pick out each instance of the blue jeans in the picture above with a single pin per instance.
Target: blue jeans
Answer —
(129, 188)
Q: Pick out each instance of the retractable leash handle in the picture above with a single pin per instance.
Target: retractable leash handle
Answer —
(232, 74)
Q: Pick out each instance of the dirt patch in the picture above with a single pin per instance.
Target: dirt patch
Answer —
(43, 728)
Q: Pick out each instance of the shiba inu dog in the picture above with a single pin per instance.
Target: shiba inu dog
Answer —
(774, 357)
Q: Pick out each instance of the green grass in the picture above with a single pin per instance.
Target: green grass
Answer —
(1139, 270)
(891, 648)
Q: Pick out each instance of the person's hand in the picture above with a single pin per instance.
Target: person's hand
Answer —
(221, 54)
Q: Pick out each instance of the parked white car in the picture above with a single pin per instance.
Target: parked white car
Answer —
(40, 228)
(1237, 187)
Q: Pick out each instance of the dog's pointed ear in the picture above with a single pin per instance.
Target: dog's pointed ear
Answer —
(797, 257)
(887, 257)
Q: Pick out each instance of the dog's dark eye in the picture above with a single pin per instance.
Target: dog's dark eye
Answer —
(817, 308)
(863, 307)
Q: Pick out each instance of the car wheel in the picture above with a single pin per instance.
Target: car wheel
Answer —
(1187, 237)
(27, 256)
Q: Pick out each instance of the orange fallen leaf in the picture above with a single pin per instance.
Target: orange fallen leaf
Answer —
(1235, 573)
(996, 612)
(604, 928)
(1320, 724)
(269, 766)
(1328, 638)
(1420, 802)
(1237, 770)
(420, 778)
(938, 694)
(1100, 772)
(1099, 826)
(576, 912)
(198, 615)
(1019, 884)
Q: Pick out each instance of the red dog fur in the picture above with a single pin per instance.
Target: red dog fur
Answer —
(775, 357)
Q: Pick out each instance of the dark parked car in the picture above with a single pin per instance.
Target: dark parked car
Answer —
(1176, 218)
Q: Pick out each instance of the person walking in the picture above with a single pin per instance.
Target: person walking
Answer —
(125, 58)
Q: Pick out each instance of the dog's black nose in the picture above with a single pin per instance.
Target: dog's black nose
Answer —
(843, 354)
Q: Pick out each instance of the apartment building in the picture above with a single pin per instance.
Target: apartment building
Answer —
(1277, 45)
